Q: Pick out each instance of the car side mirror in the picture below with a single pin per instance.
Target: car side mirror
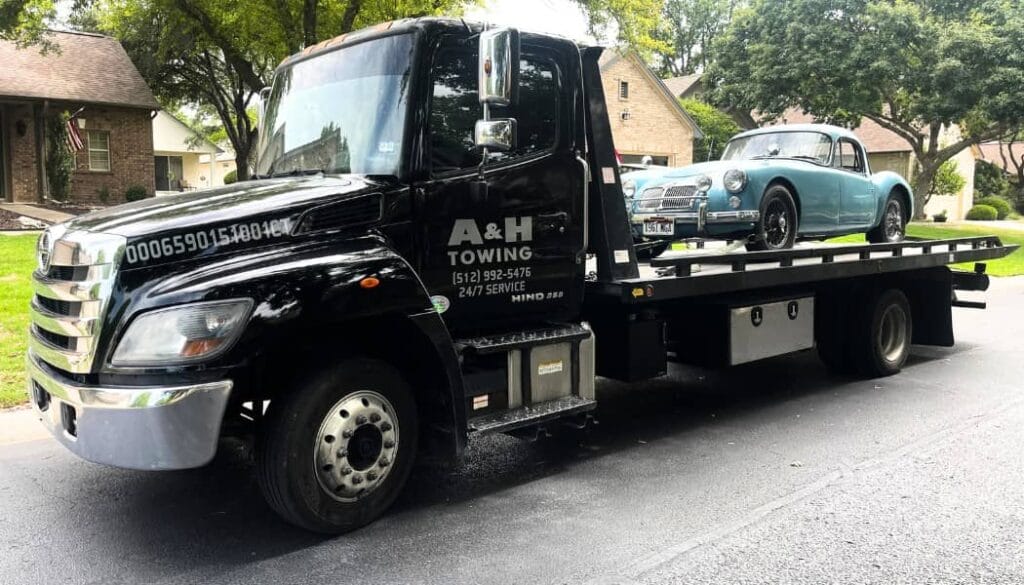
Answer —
(495, 135)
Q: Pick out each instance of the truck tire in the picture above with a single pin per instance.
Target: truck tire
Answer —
(881, 337)
(893, 225)
(335, 451)
(776, 230)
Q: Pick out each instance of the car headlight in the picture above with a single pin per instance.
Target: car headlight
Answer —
(180, 334)
(629, 188)
(734, 180)
(703, 183)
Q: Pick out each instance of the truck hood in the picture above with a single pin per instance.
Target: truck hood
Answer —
(248, 199)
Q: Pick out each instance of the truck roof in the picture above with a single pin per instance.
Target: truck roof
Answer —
(397, 27)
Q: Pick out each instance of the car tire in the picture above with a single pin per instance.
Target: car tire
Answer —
(777, 227)
(892, 227)
(335, 452)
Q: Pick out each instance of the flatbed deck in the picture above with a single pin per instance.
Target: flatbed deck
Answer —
(702, 272)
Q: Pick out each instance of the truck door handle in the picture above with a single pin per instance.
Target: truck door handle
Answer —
(549, 221)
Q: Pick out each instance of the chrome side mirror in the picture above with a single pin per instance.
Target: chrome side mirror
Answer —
(498, 68)
(495, 135)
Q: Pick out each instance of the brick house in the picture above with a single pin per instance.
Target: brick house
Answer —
(89, 74)
(646, 118)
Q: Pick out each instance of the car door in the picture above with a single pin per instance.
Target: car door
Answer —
(513, 252)
(857, 192)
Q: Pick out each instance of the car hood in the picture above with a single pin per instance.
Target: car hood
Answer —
(247, 199)
(717, 168)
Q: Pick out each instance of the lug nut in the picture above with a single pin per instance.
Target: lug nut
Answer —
(342, 454)
(371, 476)
(385, 427)
(346, 434)
(384, 462)
(357, 479)
(389, 444)
(375, 417)
(346, 470)
(361, 419)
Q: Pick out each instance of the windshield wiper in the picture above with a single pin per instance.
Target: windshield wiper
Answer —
(805, 157)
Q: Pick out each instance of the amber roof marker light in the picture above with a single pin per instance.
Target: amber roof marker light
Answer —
(369, 282)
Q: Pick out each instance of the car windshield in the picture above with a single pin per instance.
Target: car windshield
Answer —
(340, 112)
(812, 146)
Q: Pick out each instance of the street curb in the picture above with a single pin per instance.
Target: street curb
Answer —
(20, 425)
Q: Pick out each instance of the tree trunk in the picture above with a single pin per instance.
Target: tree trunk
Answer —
(922, 186)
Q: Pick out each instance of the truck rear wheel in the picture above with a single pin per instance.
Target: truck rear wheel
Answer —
(881, 340)
(336, 451)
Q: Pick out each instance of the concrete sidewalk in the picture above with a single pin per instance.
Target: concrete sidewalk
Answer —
(19, 425)
(36, 212)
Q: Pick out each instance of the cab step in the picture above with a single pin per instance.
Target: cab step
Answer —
(519, 339)
(524, 416)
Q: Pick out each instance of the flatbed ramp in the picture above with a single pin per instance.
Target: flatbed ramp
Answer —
(702, 272)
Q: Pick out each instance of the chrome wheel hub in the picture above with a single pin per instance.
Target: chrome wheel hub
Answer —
(893, 221)
(892, 334)
(356, 445)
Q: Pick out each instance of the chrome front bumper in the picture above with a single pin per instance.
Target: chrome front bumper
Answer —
(146, 427)
(702, 217)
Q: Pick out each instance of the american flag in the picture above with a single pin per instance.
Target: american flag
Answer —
(74, 138)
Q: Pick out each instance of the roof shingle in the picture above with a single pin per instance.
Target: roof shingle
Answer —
(88, 68)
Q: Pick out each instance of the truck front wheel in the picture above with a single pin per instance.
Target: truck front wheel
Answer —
(337, 449)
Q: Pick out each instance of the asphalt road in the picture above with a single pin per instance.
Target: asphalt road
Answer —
(770, 473)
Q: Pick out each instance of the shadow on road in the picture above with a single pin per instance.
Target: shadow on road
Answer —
(216, 516)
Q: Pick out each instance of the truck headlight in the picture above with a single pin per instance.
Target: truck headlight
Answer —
(181, 334)
(629, 188)
(734, 180)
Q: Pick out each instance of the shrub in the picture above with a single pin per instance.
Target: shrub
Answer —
(1002, 206)
(135, 193)
(983, 213)
(230, 177)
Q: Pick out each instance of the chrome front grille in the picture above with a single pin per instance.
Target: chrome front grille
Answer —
(670, 198)
(71, 286)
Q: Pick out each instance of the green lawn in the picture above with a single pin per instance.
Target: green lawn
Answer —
(1012, 265)
(17, 259)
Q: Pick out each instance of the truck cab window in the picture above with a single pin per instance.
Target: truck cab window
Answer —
(454, 110)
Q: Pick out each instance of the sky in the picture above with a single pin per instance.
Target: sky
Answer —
(560, 17)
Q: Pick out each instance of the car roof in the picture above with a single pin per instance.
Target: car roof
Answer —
(833, 132)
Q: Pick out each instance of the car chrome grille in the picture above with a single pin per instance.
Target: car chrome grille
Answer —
(670, 198)
(71, 289)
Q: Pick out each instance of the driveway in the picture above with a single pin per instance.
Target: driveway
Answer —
(771, 472)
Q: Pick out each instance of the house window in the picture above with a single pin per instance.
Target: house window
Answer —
(99, 150)
(623, 90)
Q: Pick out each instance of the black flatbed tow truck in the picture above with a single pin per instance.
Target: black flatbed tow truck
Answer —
(436, 246)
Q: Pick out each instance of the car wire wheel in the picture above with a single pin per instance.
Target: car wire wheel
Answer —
(893, 221)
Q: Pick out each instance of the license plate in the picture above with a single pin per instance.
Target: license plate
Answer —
(659, 227)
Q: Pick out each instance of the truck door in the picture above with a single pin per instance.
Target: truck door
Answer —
(857, 200)
(512, 253)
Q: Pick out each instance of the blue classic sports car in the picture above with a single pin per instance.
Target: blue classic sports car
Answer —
(773, 186)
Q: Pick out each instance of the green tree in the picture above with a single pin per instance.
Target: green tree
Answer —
(914, 67)
(716, 126)
(24, 21)
(689, 29)
(947, 180)
(990, 180)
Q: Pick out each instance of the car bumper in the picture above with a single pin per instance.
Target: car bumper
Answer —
(145, 427)
(700, 222)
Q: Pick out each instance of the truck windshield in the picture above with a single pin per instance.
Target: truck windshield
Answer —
(340, 112)
(812, 146)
